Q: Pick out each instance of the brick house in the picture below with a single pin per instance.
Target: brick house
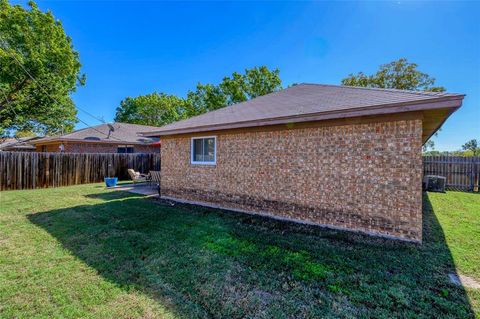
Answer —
(336, 156)
(104, 138)
(21, 144)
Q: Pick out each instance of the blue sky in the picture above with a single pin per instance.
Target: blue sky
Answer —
(133, 48)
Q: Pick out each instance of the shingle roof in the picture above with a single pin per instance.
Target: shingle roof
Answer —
(301, 103)
(123, 133)
(19, 144)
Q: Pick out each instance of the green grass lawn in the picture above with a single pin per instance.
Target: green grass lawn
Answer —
(83, 252)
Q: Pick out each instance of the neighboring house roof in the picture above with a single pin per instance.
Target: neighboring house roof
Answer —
(123, 133)
(18, 144)
(311, 102)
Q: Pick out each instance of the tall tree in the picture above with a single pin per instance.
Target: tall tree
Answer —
(237, 88)
(39, 68)
(255, 82)
(20, 134)
(401, 75)
(160, 109)
(398, 74)
(260, 81)
(472, 146)
(234, 88)
(154, 109)
(206, 98)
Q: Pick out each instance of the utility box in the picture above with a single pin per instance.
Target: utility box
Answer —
(434, 183)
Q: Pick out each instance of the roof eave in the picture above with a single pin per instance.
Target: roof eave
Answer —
(453, 102)
(63, 140)
(451, 111)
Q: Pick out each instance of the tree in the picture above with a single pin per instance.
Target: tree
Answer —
(398, 74)
(206, 98)
(255, 82)
(39, 68)
(260, 81)
(234, 88)
(154, 109)
(237, 88)
(472, 146)
(20, 134)
(160, 109)
(429, 146)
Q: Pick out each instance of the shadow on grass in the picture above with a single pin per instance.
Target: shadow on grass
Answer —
(200, 262)
(108, 196)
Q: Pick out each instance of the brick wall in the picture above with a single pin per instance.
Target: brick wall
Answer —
(95, 148)
(364, 177)
(47, 148)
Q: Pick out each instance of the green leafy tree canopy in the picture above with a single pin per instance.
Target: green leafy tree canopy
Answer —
(472, 146)
(39, 68)
(154, 109)
(160, 109)
(206, 98)
(399, 74)
(233, 89)
(20, 134)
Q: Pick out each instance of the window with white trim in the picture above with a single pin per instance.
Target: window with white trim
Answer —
(203, 150)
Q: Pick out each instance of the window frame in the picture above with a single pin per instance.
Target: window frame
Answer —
(126, 147)
(192, 155)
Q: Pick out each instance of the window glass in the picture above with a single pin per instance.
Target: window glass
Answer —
(198, 150)
(125, 149)
(203, 150)
(209, 150)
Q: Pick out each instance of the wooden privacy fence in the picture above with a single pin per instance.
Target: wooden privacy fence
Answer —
(22, 170)
(462, 173)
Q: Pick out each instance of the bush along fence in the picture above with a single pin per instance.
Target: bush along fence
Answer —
(22, 170)
(462, 173)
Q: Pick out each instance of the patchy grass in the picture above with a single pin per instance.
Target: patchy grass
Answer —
(83, 252)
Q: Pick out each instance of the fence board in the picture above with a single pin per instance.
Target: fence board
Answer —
(27, 170)
(462, 173)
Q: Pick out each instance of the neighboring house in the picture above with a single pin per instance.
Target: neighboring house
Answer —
(104, 138)
(22, 144)
(343, 157)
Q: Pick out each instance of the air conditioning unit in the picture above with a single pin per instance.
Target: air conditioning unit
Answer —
(434, 183)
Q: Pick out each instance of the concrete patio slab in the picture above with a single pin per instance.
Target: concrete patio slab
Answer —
(142, 189)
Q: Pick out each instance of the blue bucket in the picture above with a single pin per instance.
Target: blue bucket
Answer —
(111, 181)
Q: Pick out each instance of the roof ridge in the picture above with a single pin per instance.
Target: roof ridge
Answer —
(423, 93)
(82, 129)
(103, 124)
(134, 124)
